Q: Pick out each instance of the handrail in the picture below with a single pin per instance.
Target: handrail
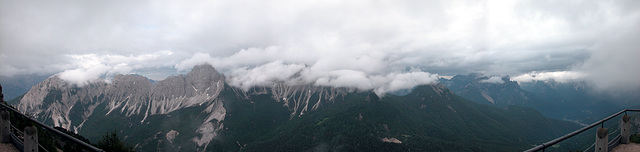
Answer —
(58, 132)
(20, 134)
(17, 142)
(559, 139)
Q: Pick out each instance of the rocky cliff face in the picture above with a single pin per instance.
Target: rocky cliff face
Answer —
(299, 98)
(59, 103)
(53, 100)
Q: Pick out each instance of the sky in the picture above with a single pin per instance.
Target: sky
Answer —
(384, 45)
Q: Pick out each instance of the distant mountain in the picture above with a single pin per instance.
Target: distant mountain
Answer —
(567, 100)
(201, 112)
(17, 85)
(430, 118)
(576, 98)
(499, 91)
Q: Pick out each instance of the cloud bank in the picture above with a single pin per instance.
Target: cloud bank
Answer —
(319, 74)
(559, 76)
(90, 67)
(494, 79)
(363, 44)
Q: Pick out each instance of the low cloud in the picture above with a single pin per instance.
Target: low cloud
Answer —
(81, 77)
(265, 75)
(298, 74)
(401, 81)
(90, 67)
(614, 63)
(196, 59)
(343, 78)
(559, 76)
(494, 79)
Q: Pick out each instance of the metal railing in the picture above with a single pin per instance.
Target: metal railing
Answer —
(545, 145)
(51, 129)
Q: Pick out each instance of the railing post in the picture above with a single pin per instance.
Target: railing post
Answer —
(30, 139)
(602, 140)
(5, 126)
(625, 129)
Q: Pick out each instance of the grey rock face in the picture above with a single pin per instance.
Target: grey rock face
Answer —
(202, 84)
(129, 93)
(298, 98)
(52, 100)
(57, 102)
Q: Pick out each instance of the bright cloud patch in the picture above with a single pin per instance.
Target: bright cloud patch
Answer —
(494, 79)
(89, 67)
(83, 76)
(400, 81)
(560, 76)
(265, 75)
(297, 74)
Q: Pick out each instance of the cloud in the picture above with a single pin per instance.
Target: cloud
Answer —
(400, 81)
(559, 76)
(346, 78)
(494, 79)
(90, 67)
(614, 61)
(297, 74)
(196, 59)
(335, 40)
(81, 77)
(265, 75)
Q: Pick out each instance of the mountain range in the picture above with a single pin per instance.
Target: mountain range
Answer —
(199, 111)
(574, 100)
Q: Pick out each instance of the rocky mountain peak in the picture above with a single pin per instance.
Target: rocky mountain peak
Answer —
(205, 70)
(130, 80)
(202, 77)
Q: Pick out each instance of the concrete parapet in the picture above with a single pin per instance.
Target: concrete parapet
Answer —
(602, 140)
(5, 126)
(30, 139)
(625, 129)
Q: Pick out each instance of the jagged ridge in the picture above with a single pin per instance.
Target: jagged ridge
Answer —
(57, 102)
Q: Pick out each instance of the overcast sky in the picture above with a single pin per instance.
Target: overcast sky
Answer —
(382, 45)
